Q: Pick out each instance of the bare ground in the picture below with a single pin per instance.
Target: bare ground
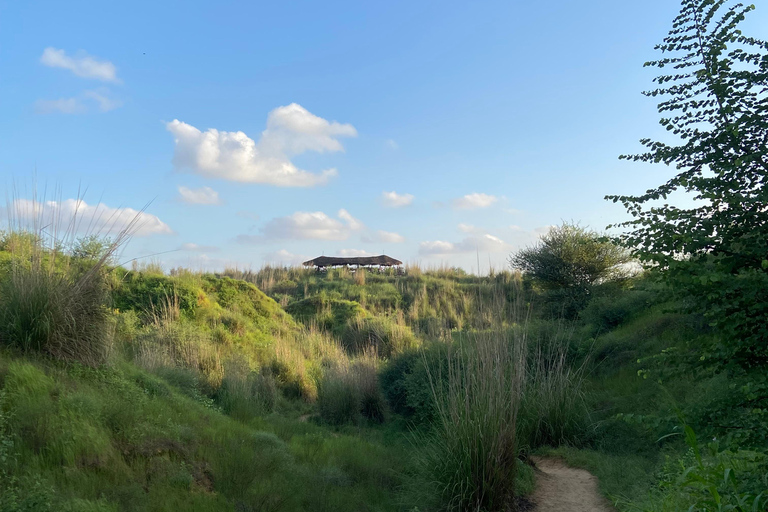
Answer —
(560, 488)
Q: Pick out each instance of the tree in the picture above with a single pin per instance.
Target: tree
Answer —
(714, 253)
(570, 260)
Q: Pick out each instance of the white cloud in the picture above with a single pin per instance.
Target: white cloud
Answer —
(284, 257)
(543, 230)
(306, 226)
(354, 253)
(392, 144)
(352, 222)
(467, 228)
(474, 201)
(483, 243)
(78, 216)
(60, 106)
(390, 237)
(103, 101)
(82, 65)
(291, 130)
(386, 237)
(205, 195)
(395, 200)
(198, 248)
(86, 102)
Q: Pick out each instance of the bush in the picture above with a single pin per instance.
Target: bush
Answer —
(244, 393)
(709, 478)
(350, 393)
(329, 314)
(553, 410)
(610, 309)
(381, 335)
(406, 381)
(56, 313)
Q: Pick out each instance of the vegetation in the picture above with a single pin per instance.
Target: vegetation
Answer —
(714, 252)
(567, 262)
(428, 390)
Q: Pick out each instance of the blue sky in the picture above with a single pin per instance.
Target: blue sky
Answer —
(278, 131)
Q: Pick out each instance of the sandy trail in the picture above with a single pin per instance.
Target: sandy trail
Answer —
(560, 488)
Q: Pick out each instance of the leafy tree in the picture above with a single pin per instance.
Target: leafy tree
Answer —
(91, 247)
(714, 103)
(570, 260)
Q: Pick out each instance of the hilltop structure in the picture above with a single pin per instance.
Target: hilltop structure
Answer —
(323, 262)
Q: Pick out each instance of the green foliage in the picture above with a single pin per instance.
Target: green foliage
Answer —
(471, 452)
(60, 313)
(553, 409)
(81, 439)
(329, 314)
(91, 247)
(244, 393)
(143, 293)
(351, 393)
(713, 252)
(611, 307)
(407, 380)
(569, 261)
(718, 480)
(382, 335)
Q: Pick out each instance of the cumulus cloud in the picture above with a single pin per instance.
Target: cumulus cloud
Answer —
(291, 130)
(395, 200)
(483, 243)
(306, 226)
(86, 102)
(78, 216)
(205, 195)
(474, 201)
(82, 65)
(352, 222)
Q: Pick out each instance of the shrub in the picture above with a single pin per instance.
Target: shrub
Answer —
(381, 335)
(406, 381)
(351, 392)
(553, 410)
(329, 314)
(244, 393)
(709, 478)
(608, 310)
(56, 312)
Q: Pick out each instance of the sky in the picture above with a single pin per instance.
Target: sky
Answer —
(244, 133)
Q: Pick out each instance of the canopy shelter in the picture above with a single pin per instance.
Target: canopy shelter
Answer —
(365, 261)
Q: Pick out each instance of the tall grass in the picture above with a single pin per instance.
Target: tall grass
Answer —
(554, 410)
(53, 285)
(499, 394)
(349, 392)
(471, 453)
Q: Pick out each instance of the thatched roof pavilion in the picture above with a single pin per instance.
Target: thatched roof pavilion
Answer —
(365, 261)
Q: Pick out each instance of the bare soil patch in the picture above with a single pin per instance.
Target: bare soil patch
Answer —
(561, 488)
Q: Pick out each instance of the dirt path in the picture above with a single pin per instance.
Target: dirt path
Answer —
(560, 488)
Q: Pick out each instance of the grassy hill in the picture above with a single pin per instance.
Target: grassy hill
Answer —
(288, 390)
